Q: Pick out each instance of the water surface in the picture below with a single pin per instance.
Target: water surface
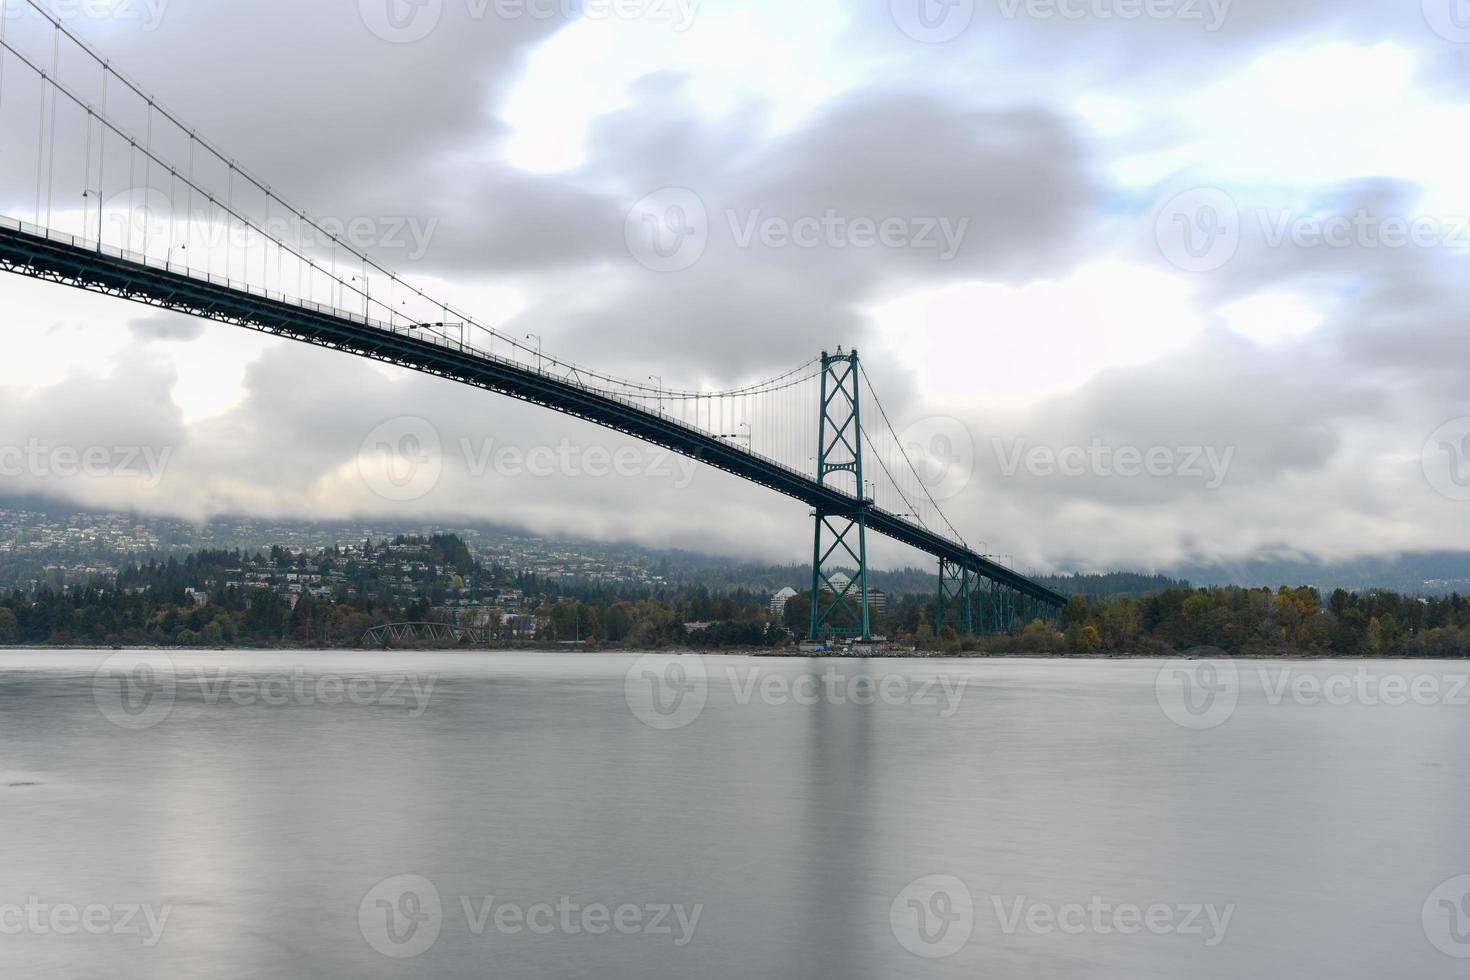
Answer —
(794, 817)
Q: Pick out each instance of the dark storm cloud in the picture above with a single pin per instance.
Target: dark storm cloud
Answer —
(994, 194)
(311, 99)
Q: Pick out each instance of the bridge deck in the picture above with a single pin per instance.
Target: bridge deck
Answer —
(31, 251)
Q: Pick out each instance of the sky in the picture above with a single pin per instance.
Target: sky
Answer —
(1165, 280)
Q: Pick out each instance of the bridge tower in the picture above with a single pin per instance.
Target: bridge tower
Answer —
(956, 585)
(840, 452)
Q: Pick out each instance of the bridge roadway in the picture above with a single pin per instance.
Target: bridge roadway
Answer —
(31, 251)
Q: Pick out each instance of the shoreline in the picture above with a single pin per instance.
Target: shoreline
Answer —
(760, 652)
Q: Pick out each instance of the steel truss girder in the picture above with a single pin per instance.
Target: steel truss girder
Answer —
(68, 263)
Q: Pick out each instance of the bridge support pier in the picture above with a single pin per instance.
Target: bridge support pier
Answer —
(840, 536)
(997, 608)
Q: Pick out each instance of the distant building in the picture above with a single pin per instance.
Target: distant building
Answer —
(779, 600)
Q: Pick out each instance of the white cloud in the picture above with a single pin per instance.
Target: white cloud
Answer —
(731, 54)
(992, 342)
(1275, 314)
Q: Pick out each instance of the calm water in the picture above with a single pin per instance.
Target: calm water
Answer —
(547, 816)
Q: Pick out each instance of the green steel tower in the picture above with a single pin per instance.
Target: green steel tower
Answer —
(840, 451)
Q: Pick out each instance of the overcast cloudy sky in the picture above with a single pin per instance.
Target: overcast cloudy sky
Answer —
(1227, 237)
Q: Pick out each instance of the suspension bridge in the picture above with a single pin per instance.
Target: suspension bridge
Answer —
(125, 199)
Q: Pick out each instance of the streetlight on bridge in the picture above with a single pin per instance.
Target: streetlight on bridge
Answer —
(98, 194)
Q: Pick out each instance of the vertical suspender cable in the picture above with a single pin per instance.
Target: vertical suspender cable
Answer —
(229, 226)
(2, 67)
(51, 151)
(40, 145)
(87, 175)
(147, 178)
(101, 155)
